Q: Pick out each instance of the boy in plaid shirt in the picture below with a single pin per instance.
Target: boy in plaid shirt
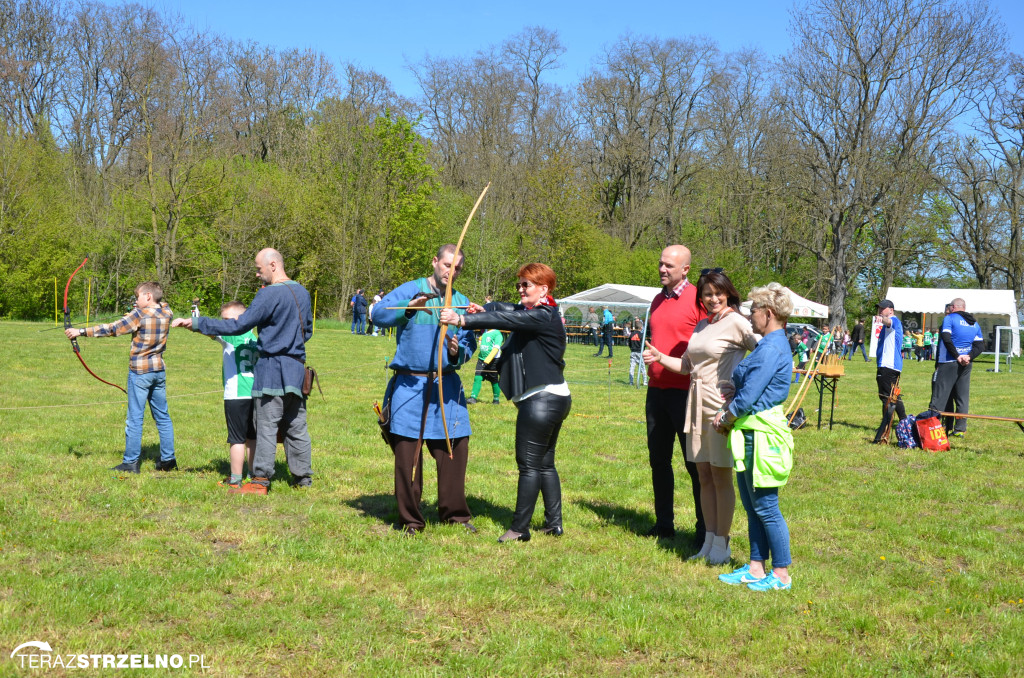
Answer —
(148, 324)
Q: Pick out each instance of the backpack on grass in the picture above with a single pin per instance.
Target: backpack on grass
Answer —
(906, 433)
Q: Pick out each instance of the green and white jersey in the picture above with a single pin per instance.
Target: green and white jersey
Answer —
(240, 356)
(490, 345)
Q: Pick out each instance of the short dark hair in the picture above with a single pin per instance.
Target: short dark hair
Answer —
(449, 247)
(721, 282)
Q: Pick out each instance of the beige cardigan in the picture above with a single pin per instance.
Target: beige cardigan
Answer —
(714, 351)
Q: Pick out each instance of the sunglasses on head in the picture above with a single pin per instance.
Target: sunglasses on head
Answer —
(705, 271)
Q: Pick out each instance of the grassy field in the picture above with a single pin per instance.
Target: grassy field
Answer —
(905, 562)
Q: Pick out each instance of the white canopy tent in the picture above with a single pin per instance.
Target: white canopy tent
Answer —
(633, 298)
(802, 308)
(990, 307)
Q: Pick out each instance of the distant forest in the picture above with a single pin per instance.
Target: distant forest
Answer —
(887, 147)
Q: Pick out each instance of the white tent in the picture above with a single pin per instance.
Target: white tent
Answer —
(802, 308)
(990, 307)
(633, 298)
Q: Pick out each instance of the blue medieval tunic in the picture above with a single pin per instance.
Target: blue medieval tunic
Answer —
(416, 351)
(281, 314)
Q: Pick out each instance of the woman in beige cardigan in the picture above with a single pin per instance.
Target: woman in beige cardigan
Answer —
(718, 344)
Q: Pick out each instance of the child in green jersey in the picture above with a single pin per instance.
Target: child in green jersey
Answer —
(486, 365)
(239, 357)
(801, 358)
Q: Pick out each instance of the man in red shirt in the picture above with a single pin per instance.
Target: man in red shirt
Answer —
(674, 313)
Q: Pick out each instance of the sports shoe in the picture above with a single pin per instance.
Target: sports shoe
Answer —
(126, 468)
(471, 401)
(739, 576)
(249, 488)
(770, 583)
(227, 483)
(958, 434)
(169, 465)
(495, 402)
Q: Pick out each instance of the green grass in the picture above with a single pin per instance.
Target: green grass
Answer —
(905, 562)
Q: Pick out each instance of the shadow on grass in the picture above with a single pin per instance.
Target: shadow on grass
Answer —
(383, 508)
(222, 466)
(639, 524)
(847, 424)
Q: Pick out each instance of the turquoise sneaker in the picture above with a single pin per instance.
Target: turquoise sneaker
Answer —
(739, 576)
(770, 583)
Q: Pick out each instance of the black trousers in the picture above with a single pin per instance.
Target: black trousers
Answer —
(886, 378)
(607, 335)
(951, 382)
(666, 418)
(538, 422)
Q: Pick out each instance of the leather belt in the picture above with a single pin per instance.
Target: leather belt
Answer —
(410, 373)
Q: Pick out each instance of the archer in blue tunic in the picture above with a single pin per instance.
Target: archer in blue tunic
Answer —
(412, 393)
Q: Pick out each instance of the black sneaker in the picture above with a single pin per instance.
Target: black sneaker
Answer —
(495, 402)
(471, 401)
(169, 465)
(126, 468)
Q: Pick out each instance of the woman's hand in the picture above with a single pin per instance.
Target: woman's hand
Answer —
(475, 308)
(722, 421)
(651, 355)
(727, 390)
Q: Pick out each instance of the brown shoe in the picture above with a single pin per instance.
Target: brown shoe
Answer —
(250, 488)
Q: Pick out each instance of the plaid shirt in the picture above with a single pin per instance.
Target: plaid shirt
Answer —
(149, 328)
(677, 290)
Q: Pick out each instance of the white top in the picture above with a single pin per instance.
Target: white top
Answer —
(554, 389)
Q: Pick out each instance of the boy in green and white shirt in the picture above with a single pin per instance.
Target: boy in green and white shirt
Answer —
(240, 355)
(801, 358)
(489, 350)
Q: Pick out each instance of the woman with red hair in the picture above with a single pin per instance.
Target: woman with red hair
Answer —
(531, 376)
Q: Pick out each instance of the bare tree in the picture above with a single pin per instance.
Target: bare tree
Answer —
(1002, 133)
(970, 188)
(869, 87)
(643, 120)
(33, 53)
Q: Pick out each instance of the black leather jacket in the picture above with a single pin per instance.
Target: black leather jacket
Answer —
(532, 355)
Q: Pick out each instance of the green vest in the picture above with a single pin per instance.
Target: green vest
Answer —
(773, 446)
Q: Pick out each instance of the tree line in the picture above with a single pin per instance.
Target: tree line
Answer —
(884, 148)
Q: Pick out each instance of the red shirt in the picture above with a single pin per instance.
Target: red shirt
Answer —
(672, 322)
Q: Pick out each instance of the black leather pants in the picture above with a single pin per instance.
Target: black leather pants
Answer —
(538, 422)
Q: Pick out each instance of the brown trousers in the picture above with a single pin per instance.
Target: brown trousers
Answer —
(451, 481)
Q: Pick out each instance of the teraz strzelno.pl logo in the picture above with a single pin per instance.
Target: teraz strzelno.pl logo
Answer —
(37, 654)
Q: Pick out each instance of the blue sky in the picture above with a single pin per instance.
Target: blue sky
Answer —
(386, 36)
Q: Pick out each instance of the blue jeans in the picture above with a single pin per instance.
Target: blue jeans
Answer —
(768, 531)
(358, 323)
(150, 387)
